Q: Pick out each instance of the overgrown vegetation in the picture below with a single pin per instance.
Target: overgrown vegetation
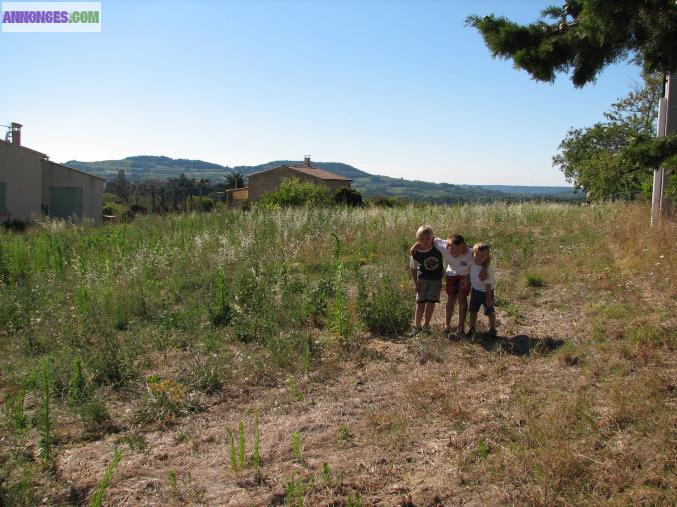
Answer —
(294, 192)
(136, 329)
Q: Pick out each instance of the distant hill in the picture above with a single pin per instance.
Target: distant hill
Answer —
(525, 190)
(146, 167)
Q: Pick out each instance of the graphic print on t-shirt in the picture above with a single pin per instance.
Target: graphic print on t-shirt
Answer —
(431, 263)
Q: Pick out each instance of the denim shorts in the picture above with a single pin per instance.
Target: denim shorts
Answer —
(477, 299)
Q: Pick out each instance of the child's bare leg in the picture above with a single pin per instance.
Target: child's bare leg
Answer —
(429, 309)
(420, 308)
(492, 322)
(451, 302)
(462, 311)
(473, 320)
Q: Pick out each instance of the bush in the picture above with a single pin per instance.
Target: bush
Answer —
(221, 311)
(198, 203)
(385, 202)
(534, 280)
(93, 413)
(109, 362)
(294, 192)
(348, 197)
(114, 209)
(316, 300)
(136, 209)
(384, 310)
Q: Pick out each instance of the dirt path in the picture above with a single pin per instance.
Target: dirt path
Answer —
(397, 424)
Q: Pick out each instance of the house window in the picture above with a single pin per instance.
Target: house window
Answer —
(3, 197)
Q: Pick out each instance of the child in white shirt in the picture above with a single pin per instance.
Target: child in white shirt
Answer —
(482, 293)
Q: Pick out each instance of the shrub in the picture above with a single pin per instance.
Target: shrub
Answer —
(384, 310)
(294, 192)
(207, 373)
(114, 209)
(165, 398)
(221, 312)
(14, 414)
(348, 197)
(385, 202)
(45, 421)
(534, 280)
(108, 362)
(292, 351)
(316, 300)
(238, 447)
(93, 412)
(198, 203)
(136, 209)
(340, 319)
(77, 387)
(297, 446)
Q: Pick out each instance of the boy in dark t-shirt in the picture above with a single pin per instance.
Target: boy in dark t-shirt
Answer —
(426, 270)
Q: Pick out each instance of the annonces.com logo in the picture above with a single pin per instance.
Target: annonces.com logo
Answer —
(51, 16)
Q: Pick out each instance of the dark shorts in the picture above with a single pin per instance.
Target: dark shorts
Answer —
(430, 291)
(457, 285)
(477, 299)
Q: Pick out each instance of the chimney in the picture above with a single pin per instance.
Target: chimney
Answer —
(16, 133)
(306, 160)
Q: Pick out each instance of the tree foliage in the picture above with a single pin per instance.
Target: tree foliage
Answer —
(235, 180)
(615, 158)
(584, 36)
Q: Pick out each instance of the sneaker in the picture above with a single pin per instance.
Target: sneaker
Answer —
(446, 330)
(471, 333)
(460, 332)
(492, 333)
(415, 331)
(426, 330)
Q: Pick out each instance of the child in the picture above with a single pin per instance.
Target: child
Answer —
(426, 271)
(482, 290)
(459, 258)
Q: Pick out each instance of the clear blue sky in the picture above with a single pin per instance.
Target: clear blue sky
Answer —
(392, 87)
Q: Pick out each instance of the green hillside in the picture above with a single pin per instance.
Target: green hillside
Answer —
(146, 167)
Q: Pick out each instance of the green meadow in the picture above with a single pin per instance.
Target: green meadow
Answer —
(262, 357)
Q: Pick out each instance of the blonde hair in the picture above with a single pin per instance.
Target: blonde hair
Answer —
(424, 230)
(480, 247)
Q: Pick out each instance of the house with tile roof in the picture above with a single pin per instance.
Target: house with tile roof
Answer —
(268, 180)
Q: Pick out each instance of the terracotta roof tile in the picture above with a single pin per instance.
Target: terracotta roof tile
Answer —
(318, 173)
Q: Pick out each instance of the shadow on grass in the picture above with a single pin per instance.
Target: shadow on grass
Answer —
(519, 345)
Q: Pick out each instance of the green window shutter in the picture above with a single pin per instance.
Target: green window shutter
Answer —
(3, 196)
(65, 202)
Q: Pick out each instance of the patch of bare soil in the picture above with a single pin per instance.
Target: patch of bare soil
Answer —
(398, 424)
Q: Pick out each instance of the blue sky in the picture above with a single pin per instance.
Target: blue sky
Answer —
(392, 87)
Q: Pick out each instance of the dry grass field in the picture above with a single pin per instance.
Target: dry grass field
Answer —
(261, 358)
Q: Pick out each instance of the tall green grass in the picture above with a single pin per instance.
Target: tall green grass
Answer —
(102, 304)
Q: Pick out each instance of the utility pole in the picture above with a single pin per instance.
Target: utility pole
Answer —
(667, 125)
